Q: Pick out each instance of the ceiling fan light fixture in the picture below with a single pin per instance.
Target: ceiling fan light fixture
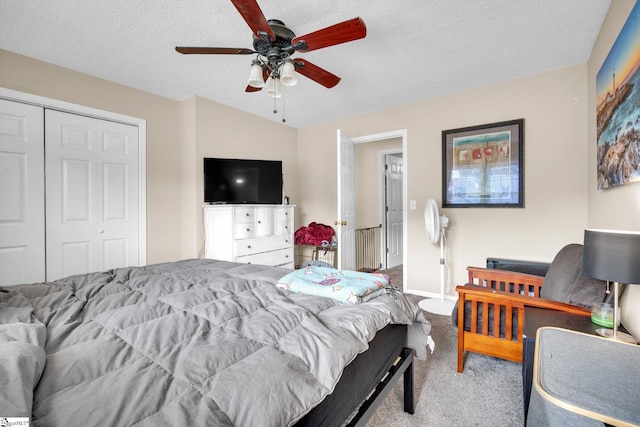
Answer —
(288, 74)
(255, 76)
(274, 89)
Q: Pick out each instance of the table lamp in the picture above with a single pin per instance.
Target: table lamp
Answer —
(613, 256)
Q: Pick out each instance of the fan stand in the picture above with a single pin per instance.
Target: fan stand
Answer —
(440, 305)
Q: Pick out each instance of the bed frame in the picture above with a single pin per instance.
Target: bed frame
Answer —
(366, 382)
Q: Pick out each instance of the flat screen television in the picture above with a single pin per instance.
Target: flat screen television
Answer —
(237, 181)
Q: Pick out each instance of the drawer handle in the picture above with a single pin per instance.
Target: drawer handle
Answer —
(286, 256)
(248, 229)
(248, 246)
(259, 222)
(247, 214)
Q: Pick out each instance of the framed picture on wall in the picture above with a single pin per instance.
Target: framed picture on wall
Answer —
(483, 166)
(618, 108)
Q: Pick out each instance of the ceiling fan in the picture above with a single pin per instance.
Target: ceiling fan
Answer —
(273, 45)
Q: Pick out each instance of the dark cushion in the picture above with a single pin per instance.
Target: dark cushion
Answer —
(563, 272)
(587, 291)
(565, 282)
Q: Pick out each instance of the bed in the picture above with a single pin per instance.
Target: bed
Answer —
(196, 342)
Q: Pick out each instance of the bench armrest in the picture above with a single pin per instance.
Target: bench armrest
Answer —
(468, 292)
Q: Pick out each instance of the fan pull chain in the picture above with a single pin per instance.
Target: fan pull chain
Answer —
(283, 119)
(275, 105)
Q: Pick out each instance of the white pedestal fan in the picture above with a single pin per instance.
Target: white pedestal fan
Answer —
(435, 226)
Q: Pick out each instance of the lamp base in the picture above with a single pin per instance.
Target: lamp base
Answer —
(620, 336)
(437, 306)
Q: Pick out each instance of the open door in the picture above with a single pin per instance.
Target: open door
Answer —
(346, 227)
(393, 207)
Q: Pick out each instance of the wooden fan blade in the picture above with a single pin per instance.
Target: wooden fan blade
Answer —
(343, 32)
(316, 73)
(254, 17)
(188, 50)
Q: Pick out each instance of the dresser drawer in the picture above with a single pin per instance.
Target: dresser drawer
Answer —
(284, 213)
(262, 244)
(283, 227)
(279, 257)
(244, 215)
(244, 231)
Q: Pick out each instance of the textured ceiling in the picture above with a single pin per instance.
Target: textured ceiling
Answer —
(414, 49)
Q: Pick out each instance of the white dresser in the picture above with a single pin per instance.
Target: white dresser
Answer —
(252, 234)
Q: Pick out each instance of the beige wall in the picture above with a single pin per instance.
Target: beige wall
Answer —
(618, 207)
(554, 106)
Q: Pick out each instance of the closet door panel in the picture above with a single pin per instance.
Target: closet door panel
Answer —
(70, 147)
(118, 204)
(92, 194)
(22, 244)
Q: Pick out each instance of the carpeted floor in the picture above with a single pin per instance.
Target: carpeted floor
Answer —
(395, 274)
(488, 393)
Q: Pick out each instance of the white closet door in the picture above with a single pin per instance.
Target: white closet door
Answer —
(22, 245)
(92, 194)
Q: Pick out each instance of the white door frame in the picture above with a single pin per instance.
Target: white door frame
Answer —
(401, 133)
(141, 124)
(382, 197)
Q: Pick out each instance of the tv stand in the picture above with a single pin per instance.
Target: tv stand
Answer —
(251, 234)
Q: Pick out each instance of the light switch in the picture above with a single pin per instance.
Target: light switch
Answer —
(412, 204)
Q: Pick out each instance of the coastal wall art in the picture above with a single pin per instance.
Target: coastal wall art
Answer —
(618, 108)
(483, 166)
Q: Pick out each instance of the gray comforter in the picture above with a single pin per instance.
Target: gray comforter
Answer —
(197, 342)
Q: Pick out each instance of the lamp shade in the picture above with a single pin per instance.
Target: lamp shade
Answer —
(612, 255)
(255, 77)
(274, 89)
(288, 74)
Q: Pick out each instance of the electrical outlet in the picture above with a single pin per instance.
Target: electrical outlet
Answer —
(412, 204)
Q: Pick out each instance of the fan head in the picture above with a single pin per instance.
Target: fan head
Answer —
(433, 222)
(274, 49)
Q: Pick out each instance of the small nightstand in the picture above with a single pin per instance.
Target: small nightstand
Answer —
(581, 379)
(535, 318)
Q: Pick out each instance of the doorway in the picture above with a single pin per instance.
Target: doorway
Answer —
(346, 166)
